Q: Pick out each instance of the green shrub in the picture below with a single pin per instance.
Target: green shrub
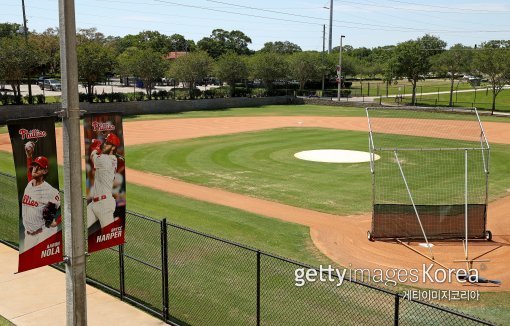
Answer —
(40, 99)
(259, 92)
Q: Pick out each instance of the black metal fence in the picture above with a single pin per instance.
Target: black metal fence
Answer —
(186, 277)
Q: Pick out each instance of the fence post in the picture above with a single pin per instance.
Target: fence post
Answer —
(164, 268)
(122, 285)
(258, 287)
(397, 304)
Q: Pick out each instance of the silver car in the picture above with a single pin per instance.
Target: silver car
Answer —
(51, 84)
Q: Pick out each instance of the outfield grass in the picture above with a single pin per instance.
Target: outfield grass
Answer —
(262, 164)
(5, 322)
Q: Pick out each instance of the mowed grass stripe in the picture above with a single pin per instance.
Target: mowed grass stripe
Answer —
(262, 164)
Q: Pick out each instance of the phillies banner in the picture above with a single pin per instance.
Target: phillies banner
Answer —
(106, 182)
(35, 159)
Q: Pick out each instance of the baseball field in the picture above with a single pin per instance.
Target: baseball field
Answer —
(232, 173)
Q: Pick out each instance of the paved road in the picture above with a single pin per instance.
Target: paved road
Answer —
(117, 88)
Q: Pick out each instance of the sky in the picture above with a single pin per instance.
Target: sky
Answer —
(365, 23)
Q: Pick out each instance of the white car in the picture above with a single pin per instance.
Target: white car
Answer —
(51, 84)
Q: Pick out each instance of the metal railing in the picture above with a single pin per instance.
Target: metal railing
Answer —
(186, 277)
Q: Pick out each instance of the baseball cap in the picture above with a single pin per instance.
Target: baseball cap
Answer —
(113, 139)
(42, 161)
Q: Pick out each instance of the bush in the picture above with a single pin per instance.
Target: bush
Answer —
(40, 99)
(259, 92)
(161, 95)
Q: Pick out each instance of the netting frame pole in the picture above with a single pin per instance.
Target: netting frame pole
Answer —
(372, 163)
(466, 202)
(414, 205)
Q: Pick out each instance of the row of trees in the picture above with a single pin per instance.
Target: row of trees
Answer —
(226, 56)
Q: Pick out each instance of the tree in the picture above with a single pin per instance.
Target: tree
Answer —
(10, 30)
(222, 41)
(90, 34)
(191, 68)
(281, 47)
(304, 66)
(412, 58)
(178, 43)
(231, 67)
(95, 60)
(17, 57)
(49, 45)
(493, 61)
(148, 65)
(452, 63)
(269, 67)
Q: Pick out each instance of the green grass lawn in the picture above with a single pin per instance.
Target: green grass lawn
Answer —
(5, 322)
(262, 164)
(482, 100)
(378, 88)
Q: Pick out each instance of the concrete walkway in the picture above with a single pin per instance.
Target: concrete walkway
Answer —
(37, 297)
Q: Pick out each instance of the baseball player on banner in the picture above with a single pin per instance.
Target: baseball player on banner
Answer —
(40, 202)
(105, 181)
(40, 232)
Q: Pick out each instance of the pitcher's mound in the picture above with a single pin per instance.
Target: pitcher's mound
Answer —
(335, 156)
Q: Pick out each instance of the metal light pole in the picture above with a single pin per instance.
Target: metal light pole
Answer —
(330, 26)
(340, 69)
(322, 56)
(25, 29)
(76, 300)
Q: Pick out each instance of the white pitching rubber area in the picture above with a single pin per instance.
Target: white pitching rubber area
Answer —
(335, 156)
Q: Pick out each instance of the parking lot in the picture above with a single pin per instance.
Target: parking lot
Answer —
(115, 87)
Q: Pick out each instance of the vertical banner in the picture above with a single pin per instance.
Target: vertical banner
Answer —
(106, 182)
(35, 159)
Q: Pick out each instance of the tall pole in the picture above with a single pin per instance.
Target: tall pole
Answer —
(76, 302)
(330, 26)
(340, 69)
(25, 29)
(323, 50)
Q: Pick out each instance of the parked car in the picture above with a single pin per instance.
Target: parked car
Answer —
(40, 81)
(51, 84)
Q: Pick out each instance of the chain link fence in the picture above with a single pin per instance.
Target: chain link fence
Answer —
(186, 277)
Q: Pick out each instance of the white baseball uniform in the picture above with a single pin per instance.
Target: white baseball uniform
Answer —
(32, 205)
(103, 204)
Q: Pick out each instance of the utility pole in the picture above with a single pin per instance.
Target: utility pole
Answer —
(25, 29)
(76, 300)
(330, 26)
(323, 50)
(340, 69)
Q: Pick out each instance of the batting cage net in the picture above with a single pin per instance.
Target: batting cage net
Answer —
(429, 174)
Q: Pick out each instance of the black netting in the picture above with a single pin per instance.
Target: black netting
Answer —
(214, 282)
(9, 215)
(416, 313)
(211, 282)
(103, 267)
(318, 303)
(142, 260)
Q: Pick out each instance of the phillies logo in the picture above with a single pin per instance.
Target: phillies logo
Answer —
(102, 126)
(29, 201)
(32, 134)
